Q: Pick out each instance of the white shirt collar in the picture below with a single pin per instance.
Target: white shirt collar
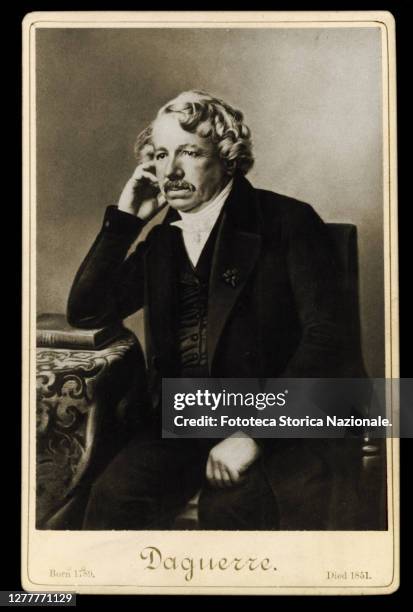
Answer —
(204, 220)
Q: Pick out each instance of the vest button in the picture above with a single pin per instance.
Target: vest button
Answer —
(194, 337)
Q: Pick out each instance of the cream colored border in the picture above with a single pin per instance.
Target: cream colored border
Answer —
(301, 551)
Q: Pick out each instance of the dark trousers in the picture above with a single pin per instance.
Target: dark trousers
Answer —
(150, 481)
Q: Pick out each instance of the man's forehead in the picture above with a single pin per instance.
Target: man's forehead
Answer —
(167, 130)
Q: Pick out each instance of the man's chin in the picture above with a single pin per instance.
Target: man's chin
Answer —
(181, 203)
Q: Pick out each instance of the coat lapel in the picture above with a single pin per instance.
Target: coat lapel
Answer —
(236, 252)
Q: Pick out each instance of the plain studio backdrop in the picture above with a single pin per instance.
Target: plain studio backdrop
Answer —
(312, 98)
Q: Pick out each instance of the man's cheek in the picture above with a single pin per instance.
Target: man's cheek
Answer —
(190, 173)
(161, 181)
(160, 171)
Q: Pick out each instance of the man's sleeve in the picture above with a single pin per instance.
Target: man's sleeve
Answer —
(107, 288)
(315, 281)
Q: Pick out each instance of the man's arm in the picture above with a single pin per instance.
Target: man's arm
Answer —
(315, 281)
(107, 288)
(314, 278)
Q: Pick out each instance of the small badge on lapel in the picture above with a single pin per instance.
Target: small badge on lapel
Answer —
(231, 277)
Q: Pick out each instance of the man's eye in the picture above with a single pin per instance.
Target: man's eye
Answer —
(161, 155)
(189, 153)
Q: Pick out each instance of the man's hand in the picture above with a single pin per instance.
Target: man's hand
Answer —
(141, 195)
(229, 459)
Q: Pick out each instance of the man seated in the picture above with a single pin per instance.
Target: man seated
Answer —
(235, 282)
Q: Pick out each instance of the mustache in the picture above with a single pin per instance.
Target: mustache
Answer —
(178, 185)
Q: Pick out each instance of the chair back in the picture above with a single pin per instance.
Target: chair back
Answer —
(344, 240)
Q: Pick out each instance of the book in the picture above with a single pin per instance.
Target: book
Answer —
(54, 331)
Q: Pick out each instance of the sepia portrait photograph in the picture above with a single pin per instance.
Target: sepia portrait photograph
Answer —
(208, 196)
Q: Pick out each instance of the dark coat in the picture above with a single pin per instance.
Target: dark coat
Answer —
(274, 292)
(273, 310)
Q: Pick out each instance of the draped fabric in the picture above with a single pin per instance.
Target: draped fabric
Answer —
(75, 388)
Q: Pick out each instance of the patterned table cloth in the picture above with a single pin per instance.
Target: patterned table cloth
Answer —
(76, 391)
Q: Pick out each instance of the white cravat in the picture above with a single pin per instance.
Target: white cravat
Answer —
(197, 226)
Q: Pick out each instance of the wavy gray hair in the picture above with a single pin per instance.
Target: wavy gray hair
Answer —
(213, 118)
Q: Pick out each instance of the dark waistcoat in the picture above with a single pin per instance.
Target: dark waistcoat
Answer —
(192, 305)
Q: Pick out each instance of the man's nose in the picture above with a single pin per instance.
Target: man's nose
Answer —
(174, 169)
